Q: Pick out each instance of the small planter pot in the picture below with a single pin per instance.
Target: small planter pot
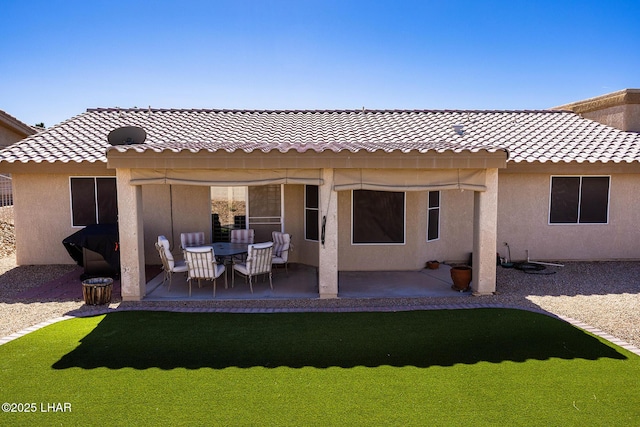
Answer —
(461, 276)
(433, 265)
(97, 291)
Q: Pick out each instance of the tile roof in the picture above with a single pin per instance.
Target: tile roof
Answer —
(529, 136)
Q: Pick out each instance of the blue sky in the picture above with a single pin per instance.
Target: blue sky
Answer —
(58, 58)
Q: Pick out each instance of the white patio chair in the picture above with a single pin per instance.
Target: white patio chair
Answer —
(169, 265)
(281, 247)
(258, 262)
(201, 264)
(195, 238)
(242, 236)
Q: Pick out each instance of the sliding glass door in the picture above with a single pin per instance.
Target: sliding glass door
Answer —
(258, 207)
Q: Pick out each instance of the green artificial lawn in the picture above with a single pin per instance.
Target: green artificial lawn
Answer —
(447, 367)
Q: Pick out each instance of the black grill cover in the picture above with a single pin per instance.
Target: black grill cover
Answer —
(100, 238)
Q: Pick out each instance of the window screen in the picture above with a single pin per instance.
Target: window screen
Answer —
(579, 200)
(107, 200)
(93, 201)
(594, 200)
(83, 201)
(378, 217)
(433, 216)
(311, 212)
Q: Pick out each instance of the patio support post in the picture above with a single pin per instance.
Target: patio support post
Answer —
(328, 252)
(131, 238)
(485, 228)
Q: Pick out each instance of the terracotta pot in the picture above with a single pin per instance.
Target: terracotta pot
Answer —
(433, 265)
(461, 276)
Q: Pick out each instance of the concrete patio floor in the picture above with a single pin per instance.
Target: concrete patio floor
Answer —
(302, 282)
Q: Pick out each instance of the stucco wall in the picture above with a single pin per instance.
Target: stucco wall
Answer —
(9, 136)
(42, 209)
(304, 251)
(190, 210)
(625, 117)
(43, 216)
(171, 210)
(43, 220)
(523, 210)
(455, 243)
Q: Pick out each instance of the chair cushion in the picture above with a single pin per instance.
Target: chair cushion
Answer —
(192, 239)
(242, 236)
(242, 268)
(261, 245)
(219, 269)
(164, 243)
(179, 267)
(199, 249)
(280, 243)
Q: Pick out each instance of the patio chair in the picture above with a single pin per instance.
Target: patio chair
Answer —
(195, 238)
(258, 262)
(242, 235)
(169, 265)
(201, 264)
(281, 247)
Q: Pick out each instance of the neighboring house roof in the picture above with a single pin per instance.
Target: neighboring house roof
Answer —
(16, 125)
(529, 136)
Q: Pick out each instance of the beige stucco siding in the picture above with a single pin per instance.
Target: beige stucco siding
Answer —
(9, 136)
(455, 243)
(625, 117)
(456, 227)
(171, 210)
(304, 251)
(523, 211)
(42, 209)
(43, 220)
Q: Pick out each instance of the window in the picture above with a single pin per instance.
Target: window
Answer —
(378, 217)
(93, 201)
(265, 204)
(433, 216)
(579, 200)
(311, 212)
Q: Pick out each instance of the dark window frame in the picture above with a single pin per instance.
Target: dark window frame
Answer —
(361, 234)
(433, 211)
(579, 199)
(93, 200)
(311, 234)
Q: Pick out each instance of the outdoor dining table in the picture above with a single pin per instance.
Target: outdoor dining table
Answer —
(228, 249)
(225, 251)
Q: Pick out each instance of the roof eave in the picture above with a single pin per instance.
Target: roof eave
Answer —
(203, 159)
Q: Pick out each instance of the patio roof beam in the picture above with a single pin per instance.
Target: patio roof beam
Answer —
(295, 160)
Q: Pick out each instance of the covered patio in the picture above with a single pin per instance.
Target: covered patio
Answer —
(301, 282)
(390, 160)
